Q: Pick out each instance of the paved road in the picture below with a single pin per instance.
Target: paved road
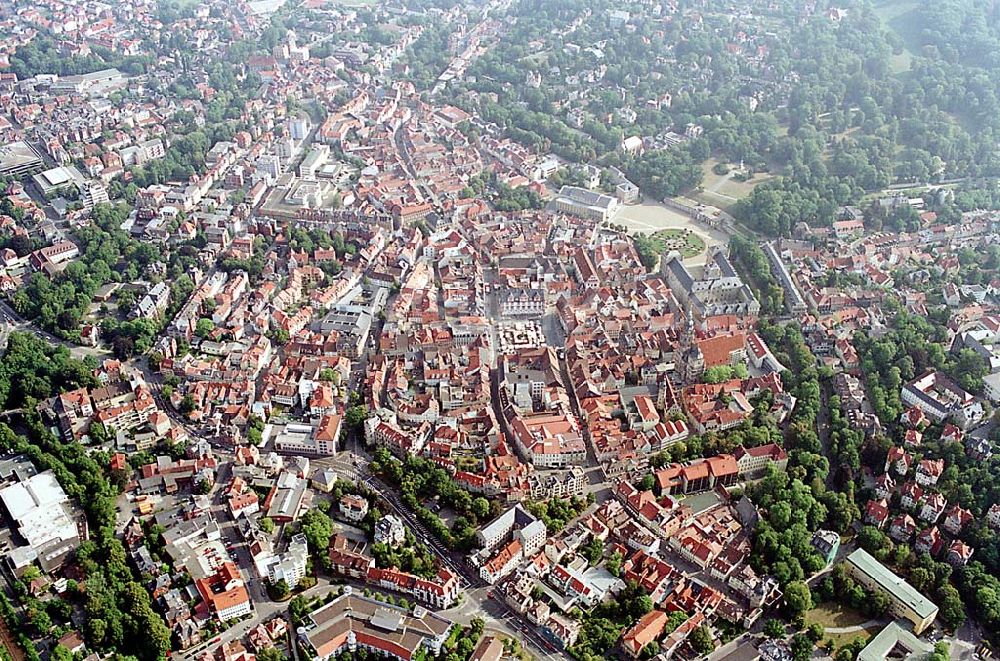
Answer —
(963, 644)
(858, 628)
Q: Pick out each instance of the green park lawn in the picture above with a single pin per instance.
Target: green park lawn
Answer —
(686, 242)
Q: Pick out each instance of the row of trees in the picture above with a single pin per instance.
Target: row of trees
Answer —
(557, 512)
(420, 481)
(802, 378)
(748, 256)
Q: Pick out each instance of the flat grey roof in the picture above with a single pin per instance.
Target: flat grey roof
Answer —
(890, 640)
(893, 584)
(17, 154)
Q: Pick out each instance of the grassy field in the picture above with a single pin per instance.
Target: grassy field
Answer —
(833, 615)
(900, 15)
(841, 639)
(721, 190)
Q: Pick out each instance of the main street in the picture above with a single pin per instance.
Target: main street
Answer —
(477, 600)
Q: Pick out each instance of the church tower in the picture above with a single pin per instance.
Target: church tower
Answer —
(692, 362)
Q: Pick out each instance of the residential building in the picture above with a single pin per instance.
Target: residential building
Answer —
(827, 544)
(390, 530)
(291, 565)
(353, 508)
(224, 593)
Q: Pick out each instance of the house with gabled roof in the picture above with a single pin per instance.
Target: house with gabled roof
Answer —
(929, 471)
(955, 519)
(933, 507)
(929, 541)
(959, 553)
(877, 512)
(898, 460)
(902, 528)
(911, 495)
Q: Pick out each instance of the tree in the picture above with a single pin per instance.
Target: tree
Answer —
(355, 418)
(481, 508)
(266, 524)
(942, 652)
(123, 347)
(701, 641)
(952, 609)
(204, 328)
(648, 250)
(877, 603)
(298, 608)
(614, 563)
(271, 654)
(593, 550)
(874, 541)
(774, 628)
(318, 528)
(280, 589)
(187, 404)
(60, 653)
(801, 647)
